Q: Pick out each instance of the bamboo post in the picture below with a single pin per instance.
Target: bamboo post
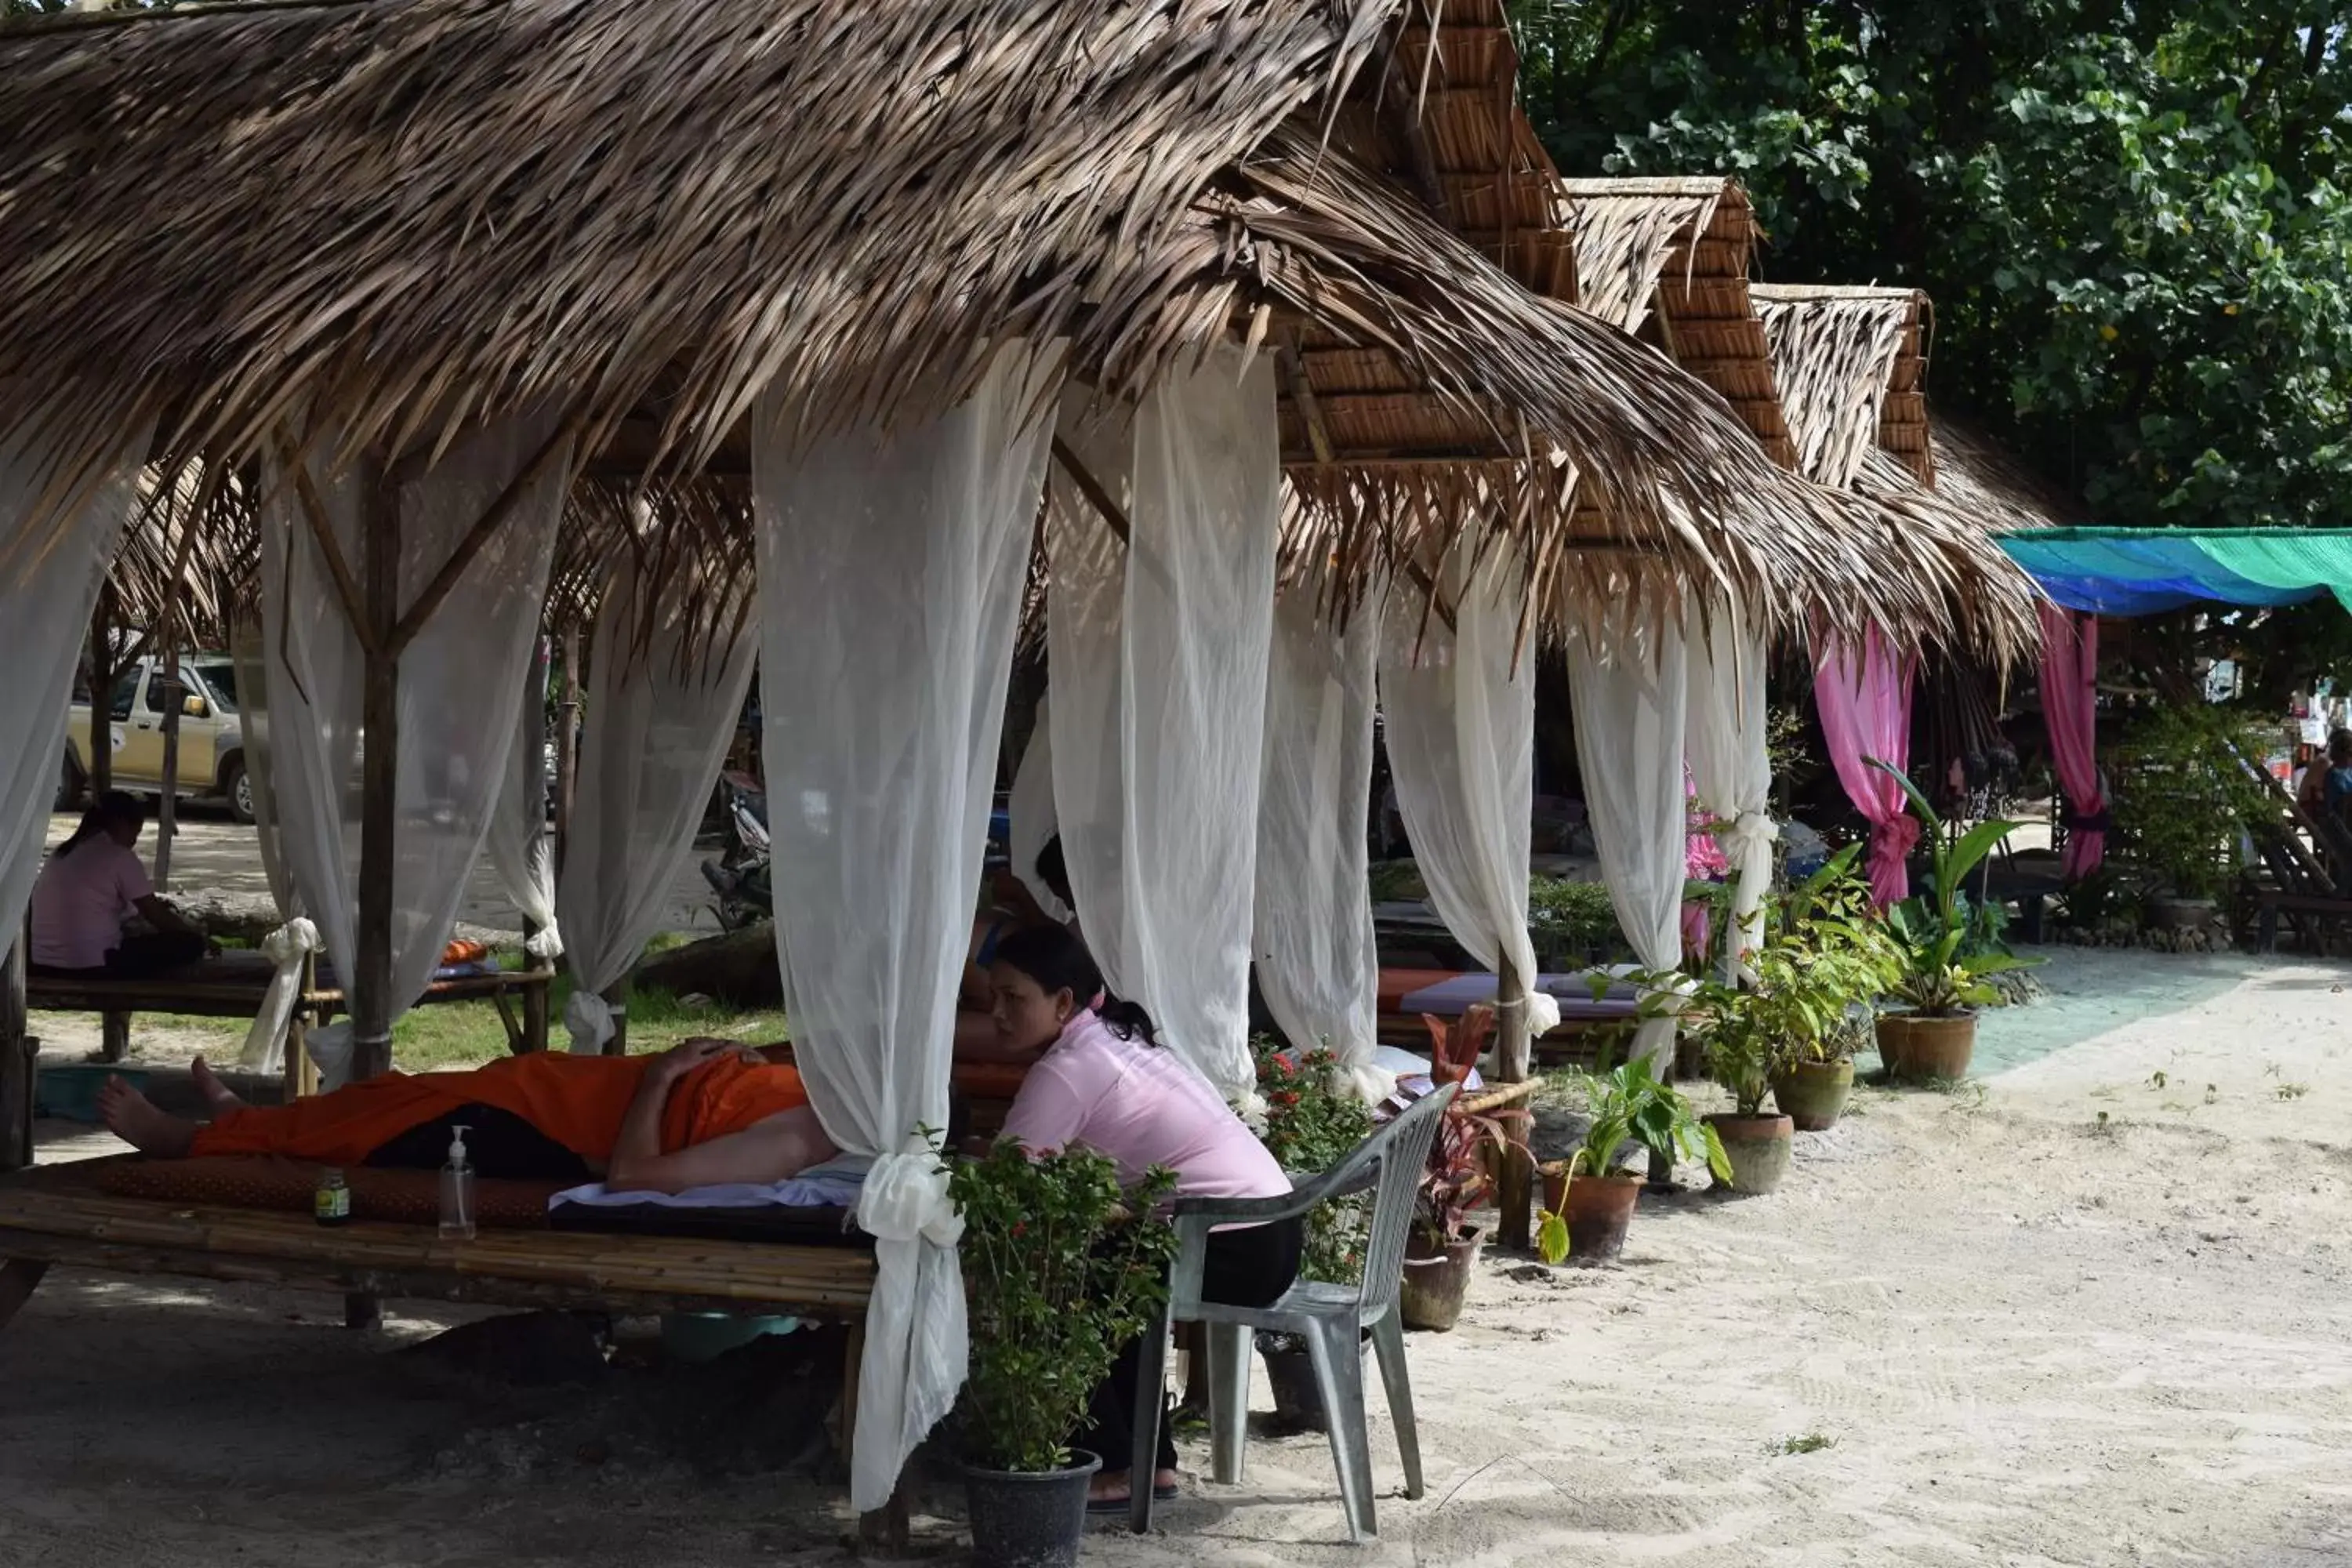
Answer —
(99, 762)
(534, 739)
(617, 995)
(567, 745)
(1514, 1180)
(16, 1059)
(369, 983)
(167, 812)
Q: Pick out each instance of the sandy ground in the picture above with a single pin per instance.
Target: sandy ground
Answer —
(2008, 1333)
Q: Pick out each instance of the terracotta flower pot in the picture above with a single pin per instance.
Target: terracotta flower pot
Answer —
(1812, 1095)
(1915, 1046)
(1598, 1209)
(1758, 1148)
(1435, 1280)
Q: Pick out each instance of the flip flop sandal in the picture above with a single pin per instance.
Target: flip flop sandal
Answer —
(1106, 1506)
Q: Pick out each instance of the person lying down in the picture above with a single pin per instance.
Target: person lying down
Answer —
(704, 1113)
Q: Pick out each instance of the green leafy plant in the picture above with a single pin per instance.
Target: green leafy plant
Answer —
(1822, 953)
(2182, 792)
(1313, 1120)
(1570, 922)
(1062, 1268)
(1937, 980)
(1631, 1104)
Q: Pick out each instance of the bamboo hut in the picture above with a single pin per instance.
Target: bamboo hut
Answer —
(490, 292)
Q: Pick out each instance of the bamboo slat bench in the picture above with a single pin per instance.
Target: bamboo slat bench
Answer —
(231, 985)
(56, 1215)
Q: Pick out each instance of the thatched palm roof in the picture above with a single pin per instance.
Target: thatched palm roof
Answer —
(1668, 257)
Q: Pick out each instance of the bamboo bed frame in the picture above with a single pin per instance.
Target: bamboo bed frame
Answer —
(55, 1216)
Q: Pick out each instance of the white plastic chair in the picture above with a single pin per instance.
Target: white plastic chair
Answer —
(1330, 1319)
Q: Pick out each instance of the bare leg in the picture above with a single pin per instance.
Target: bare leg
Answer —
(132, 1117)
(216, 1093)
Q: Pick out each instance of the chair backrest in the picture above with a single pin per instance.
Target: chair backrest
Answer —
(1389, 1163)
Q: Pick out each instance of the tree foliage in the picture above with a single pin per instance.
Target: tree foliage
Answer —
(2133, 217)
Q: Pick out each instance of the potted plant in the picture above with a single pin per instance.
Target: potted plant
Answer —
(1588, 1200)
(1313, 1119)
(1825, 960)
(1442, 1245)
(1062, 1268)
(2181, 803)
(1941, 983)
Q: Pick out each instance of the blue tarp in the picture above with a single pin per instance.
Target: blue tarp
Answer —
(2139, 571)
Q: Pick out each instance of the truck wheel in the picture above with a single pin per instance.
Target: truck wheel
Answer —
(238, 787)
(70, 786)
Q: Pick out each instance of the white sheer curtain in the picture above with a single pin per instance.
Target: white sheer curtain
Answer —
(1032, 822)
(460, 686)
(1724, 738)
(521, 849)
(1628, 682)
(665, 686)
(298, 938)
(891, 569)
(1460, 714)
(1316, 963)
(1157, 760)
(50, 568)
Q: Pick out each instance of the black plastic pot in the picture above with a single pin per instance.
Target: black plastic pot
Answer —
(1298, 1397)
(1023, 1519)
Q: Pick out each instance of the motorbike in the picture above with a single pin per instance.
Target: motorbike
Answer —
(740, 875)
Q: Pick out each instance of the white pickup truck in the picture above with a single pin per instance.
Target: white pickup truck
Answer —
(211, 743)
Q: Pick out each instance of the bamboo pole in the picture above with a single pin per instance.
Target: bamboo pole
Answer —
(617, 995)
(567, 745)
(369, 983)
(98, 764)
(167, 810)
(1514, 1180)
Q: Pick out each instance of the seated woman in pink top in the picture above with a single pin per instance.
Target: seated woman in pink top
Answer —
(1100, 1081)
(89, 886)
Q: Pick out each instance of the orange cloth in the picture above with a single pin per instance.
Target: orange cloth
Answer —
(578, 1101)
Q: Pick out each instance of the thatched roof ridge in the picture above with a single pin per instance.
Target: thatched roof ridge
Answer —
(1625, 230)
(1850, 361)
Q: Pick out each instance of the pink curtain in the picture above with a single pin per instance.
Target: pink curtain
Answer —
(2070, 705)
(1865, 708)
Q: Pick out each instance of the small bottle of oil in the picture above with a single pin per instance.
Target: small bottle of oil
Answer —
(332, 1203)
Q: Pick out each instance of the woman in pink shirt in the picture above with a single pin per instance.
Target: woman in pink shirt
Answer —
(1099, 1080)
(89, 886)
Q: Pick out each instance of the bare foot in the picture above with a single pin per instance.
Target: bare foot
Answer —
(216, 1094)
(1115, 1485)
(132, 1117)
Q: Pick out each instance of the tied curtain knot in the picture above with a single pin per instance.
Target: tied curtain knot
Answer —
(546, 942)
(905, 1198)
(1749, 834)
(589, 1020)
(1891, 843)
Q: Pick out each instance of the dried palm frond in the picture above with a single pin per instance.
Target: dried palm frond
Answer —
(1850, 361)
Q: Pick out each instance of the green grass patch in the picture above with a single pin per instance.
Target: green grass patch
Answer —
(468, 1034)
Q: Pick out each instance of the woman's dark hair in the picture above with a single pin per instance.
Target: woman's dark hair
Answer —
(2340, 748)
(1057, 961)
(1053, 872)
(112, 807)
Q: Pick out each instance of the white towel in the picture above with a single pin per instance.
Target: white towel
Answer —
(833, 1184)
